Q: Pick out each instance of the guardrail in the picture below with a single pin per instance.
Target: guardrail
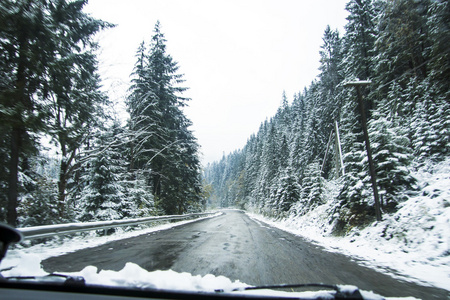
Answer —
(61, 229)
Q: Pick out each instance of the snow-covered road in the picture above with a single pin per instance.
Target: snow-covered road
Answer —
(240, 248)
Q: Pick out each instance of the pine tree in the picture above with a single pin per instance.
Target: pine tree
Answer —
(430, 126)
(312, 186)
(102, 193)
(39, 39)
(137, 201)
(359, 39)
(402, 48)
(25, 48)
(355, 196)
(391, 158)
(76, 108)
(402, 44)
(356, 203)
(297, 159)
(39, 206)
(269, 162)
(252, 163)
(288, 191)
(162, 145)
(316, 130)
(330, 58)
(38, 191)
(438, 18)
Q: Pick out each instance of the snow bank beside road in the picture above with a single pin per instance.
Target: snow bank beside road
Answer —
(27, 262)
(19, 255)
(134, 276)
(415, 241)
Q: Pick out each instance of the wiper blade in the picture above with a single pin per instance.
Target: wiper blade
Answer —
(342, 292)
(288, 286)
(51, 278)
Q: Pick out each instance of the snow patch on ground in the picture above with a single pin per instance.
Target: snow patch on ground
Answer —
(132, 275)
(414, 242)
(21, 256)
(26, 261)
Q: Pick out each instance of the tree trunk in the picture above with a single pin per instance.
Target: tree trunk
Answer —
(17, 135)
(13, 180)
(62, 183)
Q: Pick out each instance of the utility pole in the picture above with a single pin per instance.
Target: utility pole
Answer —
(340, 161)
(326, 152)
(357, 85)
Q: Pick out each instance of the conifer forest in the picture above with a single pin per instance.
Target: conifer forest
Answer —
(403, 49)
(66, 157)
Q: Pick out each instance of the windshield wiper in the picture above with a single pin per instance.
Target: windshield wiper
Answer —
(342, 292)
(50, 278)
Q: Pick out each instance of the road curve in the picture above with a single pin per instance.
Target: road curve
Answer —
(235, 246)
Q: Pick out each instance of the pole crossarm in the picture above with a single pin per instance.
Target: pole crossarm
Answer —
(357, 83)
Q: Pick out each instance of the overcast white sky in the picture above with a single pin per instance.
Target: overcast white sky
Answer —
(238, 56)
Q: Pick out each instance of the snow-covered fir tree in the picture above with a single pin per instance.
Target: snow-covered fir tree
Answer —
(102, 192)
(162, 146)
(402, 48)
(46, 62)
(288, 191)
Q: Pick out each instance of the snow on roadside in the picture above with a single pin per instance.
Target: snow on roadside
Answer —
(413, 242)
(19, 258)
(27, 262)
(133, 276)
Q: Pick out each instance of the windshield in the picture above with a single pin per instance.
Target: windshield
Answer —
(218, 146)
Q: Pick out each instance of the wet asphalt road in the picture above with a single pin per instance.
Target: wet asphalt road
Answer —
(235, 246)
